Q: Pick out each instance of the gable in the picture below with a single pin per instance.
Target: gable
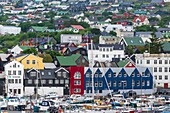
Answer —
(129, 65)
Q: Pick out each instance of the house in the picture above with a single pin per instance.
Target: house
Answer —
(77, 28)
(118, 28)
(63, 46)
(160, 64)
(105, 52)
(108, 40)
(126, 34)
(59, 23)
(144, 35)
(162, 32)
(122, 79)
(159, 2)
(73, 60)
(140, 20)
(166, 47)
(16, 50)
(9, 30)
(124, 22)
(38, 29)
(71, 38)
(30, 61)
(75, 50)
(132, 41)
(51, 79)
(14, 72)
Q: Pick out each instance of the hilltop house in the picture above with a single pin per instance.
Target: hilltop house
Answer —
(140, 20)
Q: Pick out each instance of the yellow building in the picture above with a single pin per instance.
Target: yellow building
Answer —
(31, 61)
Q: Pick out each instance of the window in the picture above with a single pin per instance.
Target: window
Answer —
(160, 77)
(33, 61)
(43, 81)
(125, 75)
(103, 55)
(166, 61)
(118, 56)
(148, 83)
(64, 74)
(14, 72)
(33, 74)
(49, 73)
(107, 56)
(109, 75)
(114, 83)
(100, 75)
(147, 61)
(28, 62)
(100, 49)
(77, 90)
(50, 81)
(155, 61)
(19, 80)
(87, 83)
(166, 77)
(166, 69)
(133, 83)
(96, 84)
(9, 72)
(155, 77)
(120, 74)
(16, 81)
(19, 72)
(155, 69)
(12, 81)
(29, 81)
(14, 65)
(77, 82)
(107, 49)
(77, 75)
(133, 74)
(19, 91)
(96, 75)
(114, 74)
(143, 73)
(61, 81)
(120, 84)
(96, 56)
(138, 74)
(59, 74)
(87, 75)
(56, 81)
(143, 83)
(169, 69)
(160, 69)
(103, 49)
(110, 49)
(140, 61)
(100, 84)
(109, 83)
(9, 81)
(138, 83)
(124, 83)
(160, 61)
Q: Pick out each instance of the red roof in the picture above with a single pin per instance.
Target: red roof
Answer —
(78, 27)
(141, 18)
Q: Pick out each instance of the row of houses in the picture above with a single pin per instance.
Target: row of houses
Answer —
(23, 74)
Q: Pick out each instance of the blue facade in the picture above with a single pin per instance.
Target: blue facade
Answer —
(108, 79)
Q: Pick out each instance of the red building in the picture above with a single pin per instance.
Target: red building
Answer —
(76, 80)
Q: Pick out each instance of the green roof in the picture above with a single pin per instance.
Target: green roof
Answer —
(166, 46)
(134, 41)
(39, 29)
(24, 47)
(68, 60)
(140, 12)
(122, 63)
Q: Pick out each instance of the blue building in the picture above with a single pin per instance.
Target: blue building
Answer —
(139, 79)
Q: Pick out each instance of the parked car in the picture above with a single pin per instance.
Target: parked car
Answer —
(162, 92)
(130, 93)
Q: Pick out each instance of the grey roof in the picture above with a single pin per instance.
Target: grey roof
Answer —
(49, 66)
(158, 34)
(163, 29)
(115, 46)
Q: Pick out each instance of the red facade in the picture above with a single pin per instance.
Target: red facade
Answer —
(76, 80)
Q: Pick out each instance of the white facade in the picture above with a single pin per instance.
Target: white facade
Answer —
(160, 64)
(74, 38)
(14, 72)
(16, 50)
(105, 54)
(9, 30)
(166, 0)
(118, 27)
(44, 90)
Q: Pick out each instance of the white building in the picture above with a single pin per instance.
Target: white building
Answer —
(119, 27)
(9, 30)
(16, 50)
(105, 52)
(14, 72)
(160, 64)
(67, 38)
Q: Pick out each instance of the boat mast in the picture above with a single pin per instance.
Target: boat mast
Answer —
(92, 73)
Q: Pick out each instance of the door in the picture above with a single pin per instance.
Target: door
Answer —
(165, 85)
(66, 91)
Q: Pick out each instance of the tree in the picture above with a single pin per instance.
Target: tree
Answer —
(146, 28)
(152, 19)
(3, 18)
(96, 39)
(129, 50)
(30, 51)
(25, 26)
(95, 31)
(84, 24)
(113, 33)
(46, 57)
(53, 53)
